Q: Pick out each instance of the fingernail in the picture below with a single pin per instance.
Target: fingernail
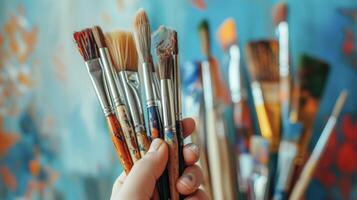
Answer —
(155, 145)
(188, 180)
(194, 148)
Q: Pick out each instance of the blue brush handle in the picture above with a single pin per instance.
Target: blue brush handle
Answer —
(156, 131)
(180, 141)
(155, 124)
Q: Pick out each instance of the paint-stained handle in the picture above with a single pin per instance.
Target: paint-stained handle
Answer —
(128, 133)
(173, 164)
(155, 124)
(119, 143)
(143, 142)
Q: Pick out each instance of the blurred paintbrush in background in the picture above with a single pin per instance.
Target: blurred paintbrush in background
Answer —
(90, 53)
(312, 76)
(221, 172)
(262, 62)
(291, 130)
(310, 166)
(227, 37)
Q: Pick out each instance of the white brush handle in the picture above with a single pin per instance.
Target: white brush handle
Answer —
(311, 164)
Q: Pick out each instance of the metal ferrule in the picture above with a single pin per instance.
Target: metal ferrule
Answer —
(147, 81)
(96, 75)
(109, 74)
(234, 74)
(132, 102)
(168, 110)
(177, 84)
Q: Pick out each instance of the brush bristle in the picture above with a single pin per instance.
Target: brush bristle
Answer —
(165, 65)
(175, 43)
(164, 40)
(203, 29)
(227, 34)
(142, 34)
(121, 46)
(99, 37)
(262, 58)
(86, 44)
(280, 13)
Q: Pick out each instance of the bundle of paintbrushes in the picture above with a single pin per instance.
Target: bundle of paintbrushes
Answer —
(121, 68)
(272, 112)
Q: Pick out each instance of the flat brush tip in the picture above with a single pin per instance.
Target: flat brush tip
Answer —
(86, 44)
(99, 37)
(121, 46)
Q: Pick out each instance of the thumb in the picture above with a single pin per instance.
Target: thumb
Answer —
(141, 180)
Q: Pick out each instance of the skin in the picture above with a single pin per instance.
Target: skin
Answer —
(139, 184)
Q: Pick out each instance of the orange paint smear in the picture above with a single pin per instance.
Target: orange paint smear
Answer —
(200, 4)
(35, 167)
(9, 178)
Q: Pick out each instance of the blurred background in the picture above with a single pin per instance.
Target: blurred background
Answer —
(54, 142)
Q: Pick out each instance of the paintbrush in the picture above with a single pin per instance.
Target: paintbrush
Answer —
(262, 66)
(227, 37)
(221, 173)
(142, 35)
(168, 111)
(124, 55)
(282, 30)
(313, 75)
(310, 166)
(259, 149)
(121, 109)
(165, 39)
(90, 53)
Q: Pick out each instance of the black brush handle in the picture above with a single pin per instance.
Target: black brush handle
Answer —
(180, 141)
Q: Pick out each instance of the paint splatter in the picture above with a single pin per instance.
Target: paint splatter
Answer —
(8, 178)
(7, 139)
(200, 4)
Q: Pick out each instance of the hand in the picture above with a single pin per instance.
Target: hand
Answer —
(139, 184)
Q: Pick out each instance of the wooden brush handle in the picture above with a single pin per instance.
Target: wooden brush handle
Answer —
(173, 164)
(128, 133)
(119, 143)
(143, 142)
(155, 124)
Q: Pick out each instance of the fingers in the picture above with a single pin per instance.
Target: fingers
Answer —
(188, 126)
(198, 195)
(190, 180)
(145, 172)
(119, 181)
(191, 154)
(117, 185)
